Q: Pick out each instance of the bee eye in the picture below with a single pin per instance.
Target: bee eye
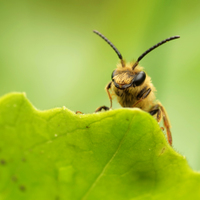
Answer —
(139, 79)
(113, 74)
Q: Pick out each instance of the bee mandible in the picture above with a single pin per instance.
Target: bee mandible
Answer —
(133, 87)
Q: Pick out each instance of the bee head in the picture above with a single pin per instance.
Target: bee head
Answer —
(126, 78)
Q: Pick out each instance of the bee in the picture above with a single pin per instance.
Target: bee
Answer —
(133, 87)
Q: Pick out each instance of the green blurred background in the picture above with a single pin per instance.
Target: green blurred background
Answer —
(48, 50)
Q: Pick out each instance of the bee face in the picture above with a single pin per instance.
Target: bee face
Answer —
(123, 79)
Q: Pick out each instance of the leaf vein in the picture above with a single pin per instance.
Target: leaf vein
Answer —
(107, 164)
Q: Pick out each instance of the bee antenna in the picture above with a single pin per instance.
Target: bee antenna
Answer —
(153, 47)
(112, 45)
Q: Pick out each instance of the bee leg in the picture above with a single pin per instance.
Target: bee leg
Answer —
(107, 90)
(166, 123)
(156, 110)
(105, 107)
(102, 108)
(79, 112)
(142, 95)
(161, 113)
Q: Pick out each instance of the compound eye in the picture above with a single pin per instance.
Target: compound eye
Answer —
(139, 79)
(113, 74)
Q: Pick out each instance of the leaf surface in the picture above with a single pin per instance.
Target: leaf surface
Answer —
(57, 154)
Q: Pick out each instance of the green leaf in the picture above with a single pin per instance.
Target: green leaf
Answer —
(57, 154)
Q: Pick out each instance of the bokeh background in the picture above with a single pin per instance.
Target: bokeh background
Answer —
(48, 50)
